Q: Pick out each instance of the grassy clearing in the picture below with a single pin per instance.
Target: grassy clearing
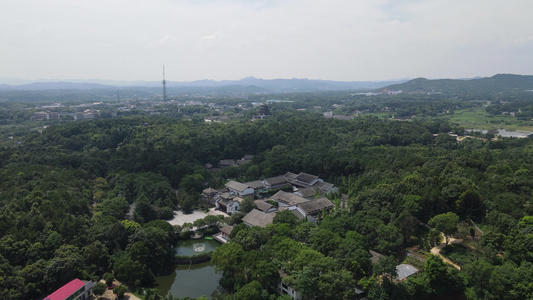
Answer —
(459, 253)
(415, 262)
(380, 115)
(477, 118)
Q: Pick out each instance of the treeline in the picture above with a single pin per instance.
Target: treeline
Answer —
(523, 110)
(85, 198)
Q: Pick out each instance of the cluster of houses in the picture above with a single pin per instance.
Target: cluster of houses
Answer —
(302, 194)
(87, 114)
(403, 271)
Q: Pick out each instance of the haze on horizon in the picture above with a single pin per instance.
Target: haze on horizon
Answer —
(345, 40)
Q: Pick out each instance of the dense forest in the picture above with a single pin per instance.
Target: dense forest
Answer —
(81, 199)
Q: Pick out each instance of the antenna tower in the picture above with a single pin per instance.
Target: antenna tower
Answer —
(164, 85)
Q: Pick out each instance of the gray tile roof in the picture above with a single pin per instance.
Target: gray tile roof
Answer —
(309, 192)
(288, 198)
(241, 162)
(235, 185)
(316, 206)
(258, 218)
(226, 229)
(275, 181)
(256, 184)
(226, 162)
(325, 186)
(375, 256)
(209, 191)
(225, 195)
(306, 178)
(263, 205)
(290, 176)
(405, 270)
(298, 214)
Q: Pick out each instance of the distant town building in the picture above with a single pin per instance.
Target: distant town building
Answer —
(263, 110)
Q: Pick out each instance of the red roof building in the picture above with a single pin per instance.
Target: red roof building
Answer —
(74, 290)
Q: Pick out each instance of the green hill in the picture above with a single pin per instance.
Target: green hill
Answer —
(504, 83)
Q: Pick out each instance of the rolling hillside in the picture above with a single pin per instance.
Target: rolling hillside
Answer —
(504, 83)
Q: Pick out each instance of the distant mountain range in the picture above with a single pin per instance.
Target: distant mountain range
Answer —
(498, 83)
(495, 84)
(250, 84)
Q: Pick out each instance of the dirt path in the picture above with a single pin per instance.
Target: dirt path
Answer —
(436, 251)
(108, 294)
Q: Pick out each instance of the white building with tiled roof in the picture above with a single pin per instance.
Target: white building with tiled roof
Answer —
(307, 179)
(238, 188)
(264, 206)
(312, 210)
(275, 182)
(287, 199)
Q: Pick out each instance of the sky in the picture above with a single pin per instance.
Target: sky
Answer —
(344, 40)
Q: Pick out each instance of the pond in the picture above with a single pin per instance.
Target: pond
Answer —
(193, 280)
(505, 133)
(193, 247)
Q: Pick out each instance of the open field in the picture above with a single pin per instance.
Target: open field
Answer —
(380, 115)
(477, 118)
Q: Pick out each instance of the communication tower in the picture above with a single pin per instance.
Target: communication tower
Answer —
(164, 85)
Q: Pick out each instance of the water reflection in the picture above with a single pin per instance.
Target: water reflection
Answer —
(191, 247)
(505, 133)
(192, 281)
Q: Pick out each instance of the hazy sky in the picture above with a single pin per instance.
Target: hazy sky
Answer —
(349, 40)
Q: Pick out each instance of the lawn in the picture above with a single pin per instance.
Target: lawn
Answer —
(477, 118)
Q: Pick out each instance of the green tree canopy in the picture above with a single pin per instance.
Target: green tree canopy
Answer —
(445, 223)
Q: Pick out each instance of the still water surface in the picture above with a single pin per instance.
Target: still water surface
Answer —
(505, 133)
(187, 247)
(193, 280)
(200, 280)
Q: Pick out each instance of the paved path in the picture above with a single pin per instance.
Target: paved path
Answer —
(436, 250)
(180, 218)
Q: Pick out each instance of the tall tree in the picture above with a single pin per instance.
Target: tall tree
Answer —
(445, 223)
